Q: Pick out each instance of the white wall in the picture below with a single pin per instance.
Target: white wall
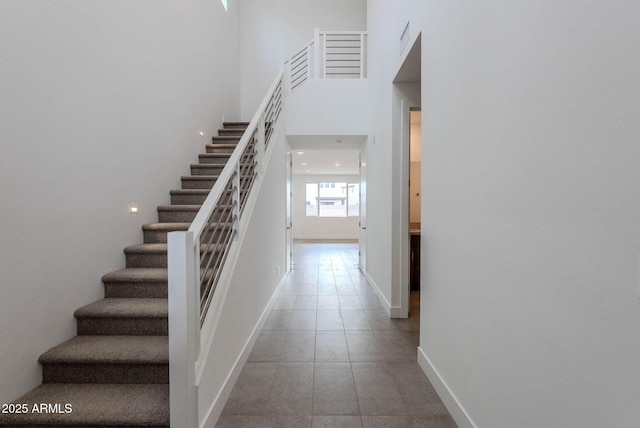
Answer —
(100, 106)
(320, 227)
(338, 107)
(531, 208)
(273, 30)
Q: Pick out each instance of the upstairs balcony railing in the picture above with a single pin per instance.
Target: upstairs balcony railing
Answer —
(330, 55)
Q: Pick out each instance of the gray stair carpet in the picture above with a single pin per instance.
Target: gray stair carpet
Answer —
(115, 372)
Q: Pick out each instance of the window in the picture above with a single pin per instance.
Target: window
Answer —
(224, 3)
(332, 199)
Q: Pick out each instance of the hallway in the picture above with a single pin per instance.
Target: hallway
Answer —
(329, 356)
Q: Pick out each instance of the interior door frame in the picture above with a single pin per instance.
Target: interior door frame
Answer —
(362, 223)
(289, 213)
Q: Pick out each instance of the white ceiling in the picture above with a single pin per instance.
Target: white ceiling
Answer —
(312, 154)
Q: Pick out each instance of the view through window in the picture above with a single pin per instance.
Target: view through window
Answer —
(333, 199)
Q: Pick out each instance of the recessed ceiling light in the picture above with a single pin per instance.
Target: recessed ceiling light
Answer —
(134, 209)
(305, 163)
(337, 164)
(300, 153)
(201, 133)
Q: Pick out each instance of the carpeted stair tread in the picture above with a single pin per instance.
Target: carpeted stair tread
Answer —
(199, 177)
(189, 191)
(194, 208)
(125, 308)
(199, 181)
(137, 275)
(230, 139)
(235, 125)
(222, 156)
(177, 213)
(148, 249)
(167, 227)
(96, 405)
(214, 159)
(230, 131)
(128, 316)
(152, 255)
(110, 350)
(221, 146)
(157, 232)
(158, 248)
(206, 168)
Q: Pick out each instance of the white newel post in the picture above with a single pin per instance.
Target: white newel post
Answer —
(184, 333)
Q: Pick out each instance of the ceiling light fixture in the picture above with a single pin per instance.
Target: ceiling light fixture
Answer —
(305, 163)
(300, 153)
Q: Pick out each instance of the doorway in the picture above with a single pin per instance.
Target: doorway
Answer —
(324, 189)
(362, 238)
(288, 212)
(414, 205)
(407, 253)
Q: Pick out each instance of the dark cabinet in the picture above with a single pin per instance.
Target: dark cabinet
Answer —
(414, 260)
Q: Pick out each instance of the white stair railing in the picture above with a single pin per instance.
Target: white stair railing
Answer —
(299, 66)
(201, 260)
(330, 55)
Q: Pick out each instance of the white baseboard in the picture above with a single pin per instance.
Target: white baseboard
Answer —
(214, 412)
(383, 300)
(447, 396)
(392, 311)
(396, 312)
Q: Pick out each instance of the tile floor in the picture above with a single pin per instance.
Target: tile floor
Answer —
(329, 356)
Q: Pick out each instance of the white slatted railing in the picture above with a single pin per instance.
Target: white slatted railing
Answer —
(343, 54)
(299, 66)
(330, 55)
(201, 260)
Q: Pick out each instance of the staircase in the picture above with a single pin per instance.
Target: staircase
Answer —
(115, 372)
